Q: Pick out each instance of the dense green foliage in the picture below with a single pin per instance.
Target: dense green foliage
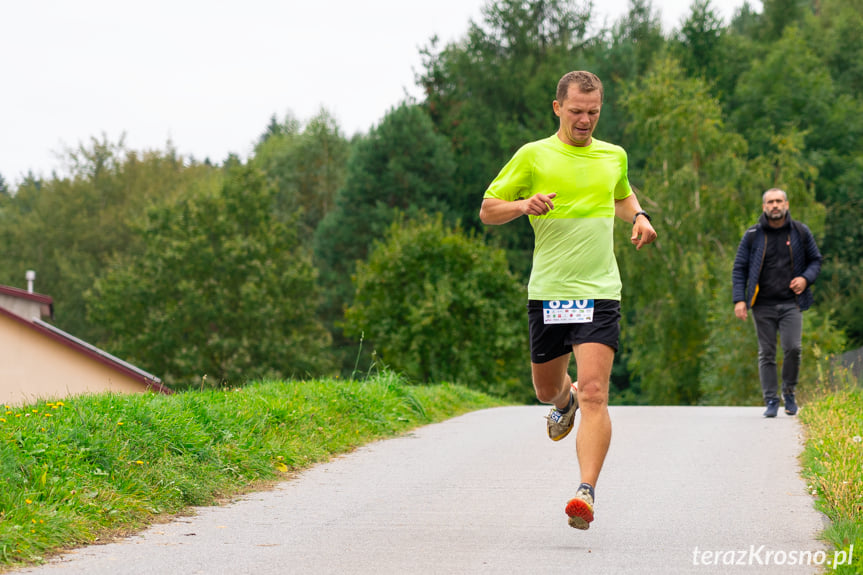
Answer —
(403, 165)
(89, 467)
(435, 302)
(692, 174)
(305, 168)
(711, 114)
(222, 289)
(68, 229)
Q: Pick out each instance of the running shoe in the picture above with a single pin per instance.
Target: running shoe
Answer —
(579, 509)
(560, 424)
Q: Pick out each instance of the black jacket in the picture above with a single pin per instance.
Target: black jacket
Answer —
(805, 261)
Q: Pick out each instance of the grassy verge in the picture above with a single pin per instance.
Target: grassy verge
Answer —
(90, 468)
(833, 468)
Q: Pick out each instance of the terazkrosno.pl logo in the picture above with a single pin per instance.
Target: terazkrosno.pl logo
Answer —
(761, 555)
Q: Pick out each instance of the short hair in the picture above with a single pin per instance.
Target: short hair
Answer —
(764, 195)
(586, 81)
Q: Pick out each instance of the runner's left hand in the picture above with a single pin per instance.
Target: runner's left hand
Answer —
(642, 233)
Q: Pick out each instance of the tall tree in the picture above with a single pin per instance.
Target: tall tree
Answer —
(843, 265)
(780, 14)
(699, 41)
(836, 35)
(403, 165)
(221, 289)
(745, 21)
(695, 172)
(69, 228)
(289, 126)
(306, 167)
(779, 93)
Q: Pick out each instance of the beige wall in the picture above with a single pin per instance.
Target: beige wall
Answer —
(34, 366)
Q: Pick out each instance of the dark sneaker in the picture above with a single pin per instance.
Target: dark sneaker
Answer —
(579, 509)
(772, 408)
(790, 404)
(560, 424)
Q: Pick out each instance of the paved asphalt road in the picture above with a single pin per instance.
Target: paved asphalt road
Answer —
(485, 493)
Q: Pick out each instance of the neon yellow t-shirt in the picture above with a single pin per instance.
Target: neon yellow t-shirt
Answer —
(573, 254)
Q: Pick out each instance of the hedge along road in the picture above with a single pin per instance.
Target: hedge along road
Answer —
(684, 490)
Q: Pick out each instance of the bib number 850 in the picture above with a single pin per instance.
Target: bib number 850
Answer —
(567, 311)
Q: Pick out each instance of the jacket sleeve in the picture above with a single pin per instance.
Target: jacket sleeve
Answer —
(741, 269)
(813, 257)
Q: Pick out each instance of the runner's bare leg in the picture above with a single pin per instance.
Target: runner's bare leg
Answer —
(593, 362)
(552, 382)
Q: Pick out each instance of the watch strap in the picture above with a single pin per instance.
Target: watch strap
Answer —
(641, 213)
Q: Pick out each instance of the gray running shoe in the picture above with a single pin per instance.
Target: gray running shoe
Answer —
(560, 424)
(579, 509)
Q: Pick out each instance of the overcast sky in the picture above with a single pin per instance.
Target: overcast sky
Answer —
(208, 75)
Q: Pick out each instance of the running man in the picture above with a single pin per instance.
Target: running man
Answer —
(571, 186)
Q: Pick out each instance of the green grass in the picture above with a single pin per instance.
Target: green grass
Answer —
(833, 468)
(91, 468)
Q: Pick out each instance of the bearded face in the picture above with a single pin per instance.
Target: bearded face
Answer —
(775, 205)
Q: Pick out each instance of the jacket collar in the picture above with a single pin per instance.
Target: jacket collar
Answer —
(765, 224)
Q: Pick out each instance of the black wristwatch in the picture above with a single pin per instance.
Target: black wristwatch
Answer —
(641, 213)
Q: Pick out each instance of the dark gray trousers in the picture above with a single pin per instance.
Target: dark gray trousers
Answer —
(787, 321)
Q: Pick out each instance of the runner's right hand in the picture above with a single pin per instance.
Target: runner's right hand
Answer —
(538, 205)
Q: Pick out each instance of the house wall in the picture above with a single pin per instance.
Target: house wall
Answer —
(34, 366)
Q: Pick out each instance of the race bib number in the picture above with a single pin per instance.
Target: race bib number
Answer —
(567, 311)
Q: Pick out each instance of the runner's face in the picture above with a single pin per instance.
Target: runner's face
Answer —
(775, 205)
(578, 114)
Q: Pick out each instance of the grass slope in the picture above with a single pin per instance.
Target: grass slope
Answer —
(90, 468)
(833, 468)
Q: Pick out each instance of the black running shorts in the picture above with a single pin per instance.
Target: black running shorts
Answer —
(548, 342)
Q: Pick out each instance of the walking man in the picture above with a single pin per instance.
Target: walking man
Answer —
(777, 261)
(571, 185)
